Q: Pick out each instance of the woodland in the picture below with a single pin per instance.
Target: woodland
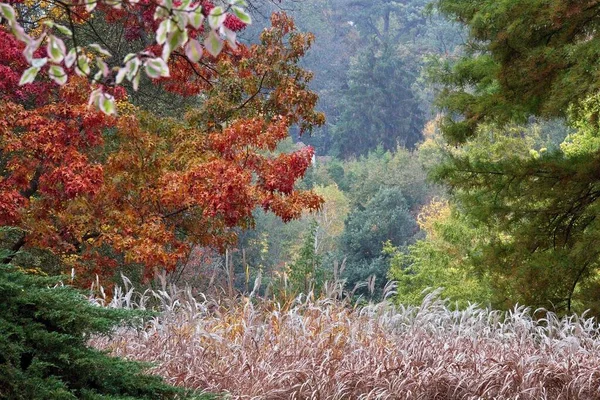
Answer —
(299, 199)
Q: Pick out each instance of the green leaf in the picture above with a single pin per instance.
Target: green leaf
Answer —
(213, 43)
(57, 74)
(29, 75)
(242, 15)
(216, 17)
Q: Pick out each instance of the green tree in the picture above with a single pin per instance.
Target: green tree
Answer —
(524, 60)
(384, 218)
(44, 329)
(448, 258)
(379, 107)
(307, 272)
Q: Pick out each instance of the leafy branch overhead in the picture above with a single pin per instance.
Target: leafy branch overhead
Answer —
(176, 25)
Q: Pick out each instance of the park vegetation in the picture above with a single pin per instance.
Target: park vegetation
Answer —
(323, 198)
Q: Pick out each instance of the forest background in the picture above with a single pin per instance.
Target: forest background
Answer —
(409, 194)
(410, 197)
(459, 151)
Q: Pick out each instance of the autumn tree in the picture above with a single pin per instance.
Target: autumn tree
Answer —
(99, 190)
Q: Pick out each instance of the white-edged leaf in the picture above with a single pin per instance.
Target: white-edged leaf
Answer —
(82, 65)
(160, 13)
(174, 40)
(100, 49)
(185, 5)
(156, 68)
(107, 104)
(39, 62)
(129, 56)
(133, 67)
(216, 17)
(120, 75)
(57, 74)
(63, 29)
(19, 32)
(239, 3)
(31, 47)
(230, 36)
(136, 81)
(8, 12)
(102, 66)
(90, 5)
(97, 76)
(196, 18)
(116, 4)
(165, 27)
(70, 58)
(193, 50)
(56, 49)
(242, 15)
(94, 96)
(182, 19)
(29, 75)
(213, 43)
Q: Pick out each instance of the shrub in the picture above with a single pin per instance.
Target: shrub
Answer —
(44, 330)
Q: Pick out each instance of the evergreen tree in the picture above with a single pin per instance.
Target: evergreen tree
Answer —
(44, 329)
(384, 218)
(379, 107)
(522, 58)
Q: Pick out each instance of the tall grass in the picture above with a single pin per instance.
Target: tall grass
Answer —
(326, 349)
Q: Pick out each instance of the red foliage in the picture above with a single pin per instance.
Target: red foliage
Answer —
(95, 189)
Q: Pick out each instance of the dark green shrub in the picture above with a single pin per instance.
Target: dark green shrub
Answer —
(44, 329)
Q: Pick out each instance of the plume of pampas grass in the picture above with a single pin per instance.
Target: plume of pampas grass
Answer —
(253, 348)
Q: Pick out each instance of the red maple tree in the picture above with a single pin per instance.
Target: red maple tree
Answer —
(102, 191)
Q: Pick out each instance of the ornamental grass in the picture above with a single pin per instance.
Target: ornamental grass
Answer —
(325, 348)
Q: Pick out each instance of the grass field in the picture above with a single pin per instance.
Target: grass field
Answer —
(252, 348)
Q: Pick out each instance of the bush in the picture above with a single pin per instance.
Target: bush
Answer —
(44, 330)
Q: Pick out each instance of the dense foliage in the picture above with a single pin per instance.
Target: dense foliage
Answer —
(171, 141)
(44, 329)
(100, 190)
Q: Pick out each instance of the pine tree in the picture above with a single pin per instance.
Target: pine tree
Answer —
(44, 329)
